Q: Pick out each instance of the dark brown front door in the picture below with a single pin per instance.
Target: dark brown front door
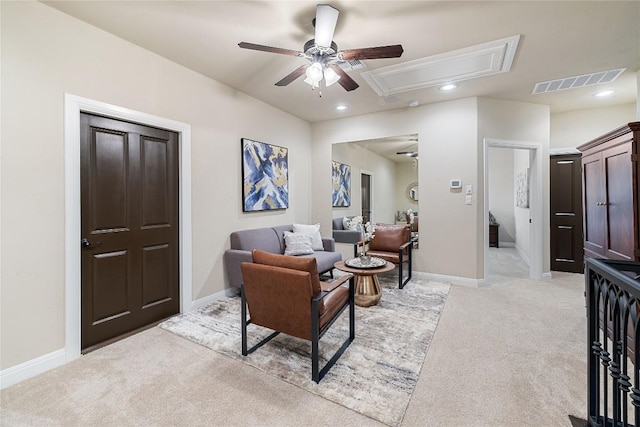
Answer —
(129, 202)
(566, 213)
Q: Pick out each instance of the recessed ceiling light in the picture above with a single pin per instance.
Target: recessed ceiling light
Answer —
(448, 87)
(414, 103)
(604, 93)
(341, 107)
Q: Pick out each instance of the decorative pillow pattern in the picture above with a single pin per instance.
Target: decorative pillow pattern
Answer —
(354, 223)
(313, 231)
(297, 244)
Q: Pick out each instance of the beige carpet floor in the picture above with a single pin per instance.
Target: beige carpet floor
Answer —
(508, 354)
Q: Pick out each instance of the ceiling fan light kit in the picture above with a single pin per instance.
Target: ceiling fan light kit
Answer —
(322, 53)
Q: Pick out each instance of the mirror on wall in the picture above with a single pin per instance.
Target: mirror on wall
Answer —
(388, 169)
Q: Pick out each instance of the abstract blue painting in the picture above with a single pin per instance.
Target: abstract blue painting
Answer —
(265, 175)
(341, 185)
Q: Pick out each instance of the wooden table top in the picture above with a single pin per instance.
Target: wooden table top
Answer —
(340, 265)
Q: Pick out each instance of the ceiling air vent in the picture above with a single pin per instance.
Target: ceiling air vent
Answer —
(577, 81)
(350, 65)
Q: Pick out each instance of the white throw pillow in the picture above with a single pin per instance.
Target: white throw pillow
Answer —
(313, 231)
(297, 244)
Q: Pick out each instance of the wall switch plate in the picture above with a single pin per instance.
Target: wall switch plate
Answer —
(467, 200)
(469, 189)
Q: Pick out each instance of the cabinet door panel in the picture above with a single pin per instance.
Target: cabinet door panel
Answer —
(593, 196)
(617, 163)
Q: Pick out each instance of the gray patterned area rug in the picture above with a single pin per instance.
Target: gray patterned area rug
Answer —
(377, 373)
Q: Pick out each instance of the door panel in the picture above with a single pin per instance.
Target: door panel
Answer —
(110, 286)
(594, 212)
(129, 201)
(109, 179)
(566, 214)
(619, 206)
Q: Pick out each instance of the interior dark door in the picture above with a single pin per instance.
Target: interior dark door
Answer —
(129, 202)
(566, 214)
(365, 191)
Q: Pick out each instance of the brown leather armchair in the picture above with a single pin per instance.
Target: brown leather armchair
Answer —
(284, 293)
(393, 244)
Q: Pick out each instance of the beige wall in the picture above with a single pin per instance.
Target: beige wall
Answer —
(406, 173)
(46, 54)
(445, 131)
(573, 128)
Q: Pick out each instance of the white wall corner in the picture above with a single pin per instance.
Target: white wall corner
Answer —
(31, 368)
(228, 292)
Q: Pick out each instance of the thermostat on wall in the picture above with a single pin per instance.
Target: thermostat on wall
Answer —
(455, 183)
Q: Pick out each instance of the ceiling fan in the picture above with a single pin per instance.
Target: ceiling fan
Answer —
(324, 56)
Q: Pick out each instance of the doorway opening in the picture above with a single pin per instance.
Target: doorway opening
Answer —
(366, 183)
(74, 106)
(525, 227)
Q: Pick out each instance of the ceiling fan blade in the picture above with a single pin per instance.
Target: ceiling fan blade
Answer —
(264, 48)
(294, 75)
(326, 19)
(393, 51)
(345, 80)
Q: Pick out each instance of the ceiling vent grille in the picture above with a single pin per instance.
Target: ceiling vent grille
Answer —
(577, 81)
(354, 64)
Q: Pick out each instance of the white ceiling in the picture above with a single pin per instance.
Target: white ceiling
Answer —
(558, 39)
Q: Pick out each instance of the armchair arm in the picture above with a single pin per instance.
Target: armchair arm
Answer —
(328, 287)
(406, 245)
(329, 244)
(232, 260)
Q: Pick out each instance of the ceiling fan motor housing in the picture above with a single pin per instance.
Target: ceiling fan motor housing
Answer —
(313, 50)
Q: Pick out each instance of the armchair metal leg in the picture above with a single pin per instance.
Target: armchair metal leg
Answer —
(243, 320)
(316, 373)
(401, 282)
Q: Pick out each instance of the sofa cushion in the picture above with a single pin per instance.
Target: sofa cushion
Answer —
(297, 243)
(312, 230)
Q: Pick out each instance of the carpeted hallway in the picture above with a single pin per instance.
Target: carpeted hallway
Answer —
(509, 353)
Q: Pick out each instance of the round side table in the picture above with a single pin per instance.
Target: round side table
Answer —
(368, 290)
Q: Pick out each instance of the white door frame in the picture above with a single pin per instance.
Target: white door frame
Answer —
(535, 202)
(74, 105)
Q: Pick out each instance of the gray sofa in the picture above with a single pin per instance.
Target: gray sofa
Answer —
(341, 235)
(270, 239)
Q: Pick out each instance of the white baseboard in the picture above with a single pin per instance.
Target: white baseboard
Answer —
(214, 297)
(454, 280)
(31, 368)
(546, 276)
(37, 366)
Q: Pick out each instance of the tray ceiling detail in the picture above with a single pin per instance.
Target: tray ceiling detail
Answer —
(464, 64)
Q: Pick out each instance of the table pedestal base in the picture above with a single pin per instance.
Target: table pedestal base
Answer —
(368, 290)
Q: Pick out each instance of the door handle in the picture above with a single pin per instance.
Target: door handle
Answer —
(86, 244)
(601, 203)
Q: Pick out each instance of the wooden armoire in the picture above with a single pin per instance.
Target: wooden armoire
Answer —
(611, 198)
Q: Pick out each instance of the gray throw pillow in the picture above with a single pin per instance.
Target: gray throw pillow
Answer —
(297, 244)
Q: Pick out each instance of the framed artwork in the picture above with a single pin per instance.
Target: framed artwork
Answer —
(522, 189)
(341, 184)
(265, 176)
